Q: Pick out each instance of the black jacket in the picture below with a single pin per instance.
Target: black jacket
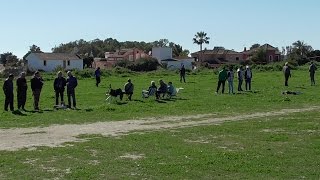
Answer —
(59, 84)
(22, 84)
(8, 87)
(36, 83)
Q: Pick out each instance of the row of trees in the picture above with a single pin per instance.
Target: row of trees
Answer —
(97, 47)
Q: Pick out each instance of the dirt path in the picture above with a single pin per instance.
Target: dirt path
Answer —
(56, 135)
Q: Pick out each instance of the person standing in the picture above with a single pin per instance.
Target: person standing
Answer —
(36, 87)
(230, 80)
(128, 89)
(97, 74)
(8, 91)
(72, 83)
(183, 74)
(59, 86)
(312, 71)
(248, 77)
(240, 78)
(222, 79)
(22, 88)
(287, 73)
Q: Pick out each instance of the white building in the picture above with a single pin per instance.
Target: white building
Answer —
(173, 64)
(50, 61)
(161, 53)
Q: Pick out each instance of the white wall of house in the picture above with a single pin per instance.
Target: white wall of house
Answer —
(161, 53)
(173, 65)
(34, 64)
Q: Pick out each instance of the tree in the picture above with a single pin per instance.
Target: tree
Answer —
(8, 59)
(255, 46)
(301, 48)
(178, 51)
(161, 43)
(260, 56)
(32, 49)
(201, 38)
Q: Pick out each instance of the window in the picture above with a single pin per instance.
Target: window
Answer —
(277, 58)
(270, 58)
(68, 63)
(237, 58)
(44, 63)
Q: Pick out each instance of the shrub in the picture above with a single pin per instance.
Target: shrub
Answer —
(144, 64)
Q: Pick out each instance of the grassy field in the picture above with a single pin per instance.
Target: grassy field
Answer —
(278, 147)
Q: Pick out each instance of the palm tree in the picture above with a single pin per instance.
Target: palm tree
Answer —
(301, 48)
(200, 38)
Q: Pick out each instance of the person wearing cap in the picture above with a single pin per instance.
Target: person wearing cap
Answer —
(8, 91)
(248, 77)
(22, 88)
(72, 83)
(128, 89)
(97, 74)
(36, 87)
(312, 71)
(286, 73)
(59, 85)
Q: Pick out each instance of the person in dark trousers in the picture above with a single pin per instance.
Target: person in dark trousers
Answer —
(240, 78)
(72, 83)
(183, 74)
(36, 87)
(59, 85)
(128, 89)
(223, 75)
(8, 91)
(287, 73)
(162, 89)
(97, 74)
(312, 71)
(22, 88)
(248, 77)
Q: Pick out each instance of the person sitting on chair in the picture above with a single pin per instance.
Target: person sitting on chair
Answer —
(171, 90)
(162, 89)
(128, 89)
(151, 90)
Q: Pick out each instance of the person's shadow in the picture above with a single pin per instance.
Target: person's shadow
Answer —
(18, 113)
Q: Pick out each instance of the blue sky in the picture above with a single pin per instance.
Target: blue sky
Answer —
(229, 23)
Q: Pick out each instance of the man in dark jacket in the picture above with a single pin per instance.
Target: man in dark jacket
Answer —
(97, 74)
(59, 85)
(72, 83)
(22, 91)
(312, 71)
(128, 89)
(8, 91)
(222, 77)
(162, 89)
(287, 73)
(36, 86)
(183, 74)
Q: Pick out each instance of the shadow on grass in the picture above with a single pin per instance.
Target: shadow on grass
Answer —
(121, 103)
(89, 109)
(18, 113)
(138, 101)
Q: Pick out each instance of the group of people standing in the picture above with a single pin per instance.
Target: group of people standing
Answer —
(225, 75)
(36, 86)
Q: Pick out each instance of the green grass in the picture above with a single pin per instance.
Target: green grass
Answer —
(286, 147)
(278, 147)
(197, 97)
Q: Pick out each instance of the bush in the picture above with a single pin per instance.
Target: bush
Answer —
(144, 64)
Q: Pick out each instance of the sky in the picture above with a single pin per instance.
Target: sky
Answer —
(233, 24)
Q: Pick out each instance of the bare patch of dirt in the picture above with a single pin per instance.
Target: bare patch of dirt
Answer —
(58, 135)
(132, 156)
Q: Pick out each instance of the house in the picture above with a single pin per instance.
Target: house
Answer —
(218, 55)
(50, 61)
(162, 53)
(132, 55)
(173, 64)
(272, 53)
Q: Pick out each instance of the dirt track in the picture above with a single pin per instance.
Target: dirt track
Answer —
(56, 135)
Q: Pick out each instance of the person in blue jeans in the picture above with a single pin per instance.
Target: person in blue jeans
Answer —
(72, 83)
(248, 77)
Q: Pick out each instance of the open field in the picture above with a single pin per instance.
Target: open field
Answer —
(198, 135)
